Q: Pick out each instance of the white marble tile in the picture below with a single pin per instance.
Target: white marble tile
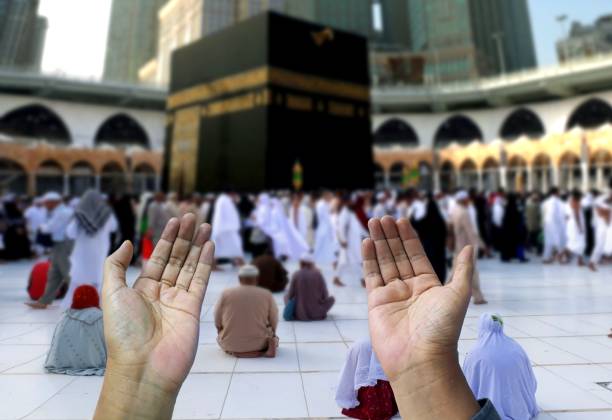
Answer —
(202, 396)
(42, 335)
(316, 331)
(353, 330)
(321, 356)
(210, 358)
(582, 347)
(557, 394)
(585, 415)
(23, 394)
(320, 390)
(349, 311)
(586, 377)
(285, 361)
(272, 395)
(542, 353)
(15, 355)
(76, 401)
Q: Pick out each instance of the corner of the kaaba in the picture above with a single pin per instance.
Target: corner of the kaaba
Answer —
(248, 103)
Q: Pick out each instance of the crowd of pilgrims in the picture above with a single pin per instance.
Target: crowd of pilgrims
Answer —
(325, 229)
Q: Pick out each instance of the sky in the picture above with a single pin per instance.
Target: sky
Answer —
(76, 38)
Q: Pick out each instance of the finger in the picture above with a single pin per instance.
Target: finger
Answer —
(180, 250)
(461, 281)
(199, 282)
(115, 267)
(371, 271)
(154, 267)
(386, 263)
(418, 259)
(397, 247)
(191, 263)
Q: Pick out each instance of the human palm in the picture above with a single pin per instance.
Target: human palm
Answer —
(152, 328)
(412, 317)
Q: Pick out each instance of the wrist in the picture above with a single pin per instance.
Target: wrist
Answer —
(133, 393)
(434, 388)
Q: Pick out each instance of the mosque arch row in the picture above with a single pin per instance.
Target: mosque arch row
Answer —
(572, 160)
(36, 170)
(38, 122)
(508, 125)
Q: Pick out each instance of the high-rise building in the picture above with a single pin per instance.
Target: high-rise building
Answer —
(394, 33)
(463, 39)
(502, 35)
(586, 40)
(184, 21)
(22, 34)
(349, 15)
(132, 38)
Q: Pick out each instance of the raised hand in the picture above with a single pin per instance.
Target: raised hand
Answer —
(152, 329)
(414, 321)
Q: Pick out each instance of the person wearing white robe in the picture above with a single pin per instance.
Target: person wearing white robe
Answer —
(35, 216)
(326, 242)
(601, 227)
(554, 226)
(350, 233)
(301, 217)
(226, 230)
(575, 227)
(287, 241)
(90, 245)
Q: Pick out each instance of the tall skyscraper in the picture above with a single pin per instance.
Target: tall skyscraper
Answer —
(22, 34)
(349, 15)
(184, 21)
(132, 38)
(502, 35)
(463, 39)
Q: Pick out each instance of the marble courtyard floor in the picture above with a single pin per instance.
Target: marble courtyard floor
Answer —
(560, 315)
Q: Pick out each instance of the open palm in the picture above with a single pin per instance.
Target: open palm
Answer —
(153, 327)
(412, 317)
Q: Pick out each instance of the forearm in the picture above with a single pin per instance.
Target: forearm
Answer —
(435, 390)
(133, 397)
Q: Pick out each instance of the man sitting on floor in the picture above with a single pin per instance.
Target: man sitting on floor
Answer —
(272, 274)
(246, 317)
(78, 345)
(308, 289)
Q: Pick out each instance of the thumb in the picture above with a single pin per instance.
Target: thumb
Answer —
(115, 267)
(462, 273)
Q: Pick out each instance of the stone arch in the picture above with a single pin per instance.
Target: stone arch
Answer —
(82, 177)
(522, 122)
(144, 178)
(591, 113)
(49, 177)
(113, 178)
(13, 177)
(35, 121)
(457, 128)
(122, 130)
(396, 131)
(396, 172)
(448, 177)
(379, 175)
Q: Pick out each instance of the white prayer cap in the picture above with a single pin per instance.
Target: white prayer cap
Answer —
(307, 258)
(381, 195)
(248, 270)
(461, 195)
(38, 200)
(52, 196)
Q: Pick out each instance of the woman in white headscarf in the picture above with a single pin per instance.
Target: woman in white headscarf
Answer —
(498, 369)
(325, 243)
(91, 230)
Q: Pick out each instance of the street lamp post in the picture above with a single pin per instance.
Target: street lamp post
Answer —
(561, 19)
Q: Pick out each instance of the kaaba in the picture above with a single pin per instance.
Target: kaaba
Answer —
(252, 103)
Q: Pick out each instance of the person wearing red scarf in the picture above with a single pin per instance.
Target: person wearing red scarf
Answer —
(78, 346)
